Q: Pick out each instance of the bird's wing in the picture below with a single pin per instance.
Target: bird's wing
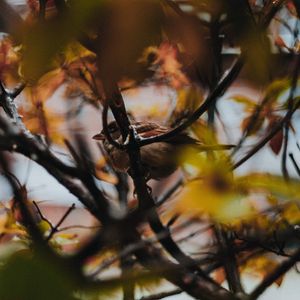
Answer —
(149, 129)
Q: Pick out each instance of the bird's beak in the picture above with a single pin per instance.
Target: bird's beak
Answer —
(99, 137)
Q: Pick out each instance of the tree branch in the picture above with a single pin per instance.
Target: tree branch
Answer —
(273, 276)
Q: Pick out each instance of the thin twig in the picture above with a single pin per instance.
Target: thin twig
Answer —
(166, 196)
(294, 163)
(217, 92)
(277, 127)
(56, 227)
(162, 295)
(106, 131)
(42, 215)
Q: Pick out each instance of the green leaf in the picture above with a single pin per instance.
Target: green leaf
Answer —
(27, 278)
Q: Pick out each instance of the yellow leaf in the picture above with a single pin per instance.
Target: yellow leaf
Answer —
(249, 103)
(291, 213)
(260, 266)
(215, 191)
(44, 226)
(271, 185)
(46, 85)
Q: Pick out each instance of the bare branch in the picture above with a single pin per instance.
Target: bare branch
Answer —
(56, 227)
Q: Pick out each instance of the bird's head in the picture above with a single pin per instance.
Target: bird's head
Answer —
(113, 129)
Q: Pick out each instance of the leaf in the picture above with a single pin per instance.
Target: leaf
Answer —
(293, 7)
(9, 62)
(102, 174)
(276, 88)
(44, 226)
(249, 103)
(40, 119)
(169, 65)
(291, 213)
(276, 142)
(220, 198)
(63, 239)
(260, 266)
(105, 176)
(27, 278)
(251, 126)
(270, 185)
(188, 100)
(219, 276)
(279, 42)
(279, 281)
(46, 85)
(43, 41)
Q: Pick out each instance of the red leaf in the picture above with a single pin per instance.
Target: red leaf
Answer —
(276, 142)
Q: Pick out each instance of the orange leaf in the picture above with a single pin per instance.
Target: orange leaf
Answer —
(279, 281)
(255, 126)
(46, 86)
(219, 276)
(291, 8)
(280, 42)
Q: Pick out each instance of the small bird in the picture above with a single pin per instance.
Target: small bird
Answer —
(160, 158)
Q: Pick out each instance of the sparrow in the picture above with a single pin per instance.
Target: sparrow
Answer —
(160, 158)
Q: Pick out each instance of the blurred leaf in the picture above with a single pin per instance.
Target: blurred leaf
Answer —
(102, 173)
(40, 119)
(291, 213)
(279, 42)
(252, 126)
(63, 239)
(27, 278)
(188, 100)
(271, 185)
(276, 88)
(249, 103)
(106, 176)
(44, 226)
(252, 40)
(46, 85)
(226, 197)
(203, 133)
(9, 62)
(260, 266)
(43, 41)
(219, 196)
(293, 7)
(126, 26)
(219, 275)
(279, 281)
(169, 67)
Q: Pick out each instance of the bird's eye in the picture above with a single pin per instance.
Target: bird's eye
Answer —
(112, 128)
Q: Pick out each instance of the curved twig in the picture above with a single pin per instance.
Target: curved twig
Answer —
(106, 131)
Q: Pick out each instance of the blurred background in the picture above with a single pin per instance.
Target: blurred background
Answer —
(157, 104)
